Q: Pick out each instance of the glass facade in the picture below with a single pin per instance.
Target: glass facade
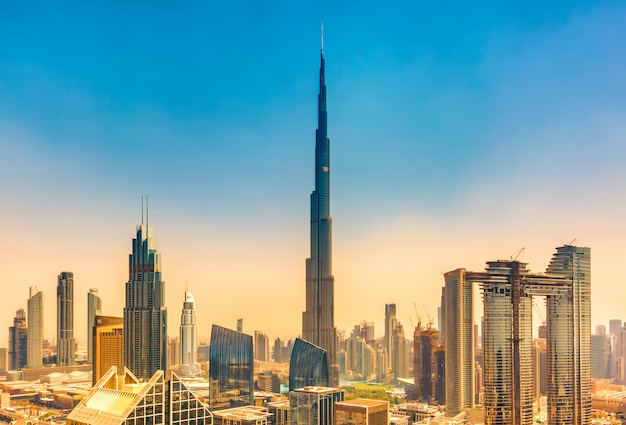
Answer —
(313, 405)
(459, 340)
(508, 290)
(230, 369)
(65, 319)
(308, 366)
(145, 316)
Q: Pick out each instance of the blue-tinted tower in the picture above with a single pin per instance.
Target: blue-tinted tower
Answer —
(231, 372)
(318, 324)
(145, 315)
(308, 366)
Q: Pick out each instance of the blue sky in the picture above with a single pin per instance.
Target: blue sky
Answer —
(459, 133)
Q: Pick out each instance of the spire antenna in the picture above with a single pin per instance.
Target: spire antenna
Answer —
(142, 209)
(322, 39)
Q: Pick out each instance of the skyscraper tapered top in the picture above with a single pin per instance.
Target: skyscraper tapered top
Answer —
(145, 316)
(318, 320)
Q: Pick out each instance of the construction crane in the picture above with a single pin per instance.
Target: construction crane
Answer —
(430, 319)
(517, 253)
(419, 320)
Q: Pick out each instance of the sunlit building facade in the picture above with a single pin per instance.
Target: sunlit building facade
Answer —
(120, 398)
(459, 342)
(361, 411)
(508, 289)
(308, 366)
(313, 405)
(34, 320)
(231, 372)
(108, 345)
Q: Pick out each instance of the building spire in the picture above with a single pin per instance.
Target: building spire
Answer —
(322, 40)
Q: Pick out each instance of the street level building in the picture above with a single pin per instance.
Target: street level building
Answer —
(362, 411)
(313, 405)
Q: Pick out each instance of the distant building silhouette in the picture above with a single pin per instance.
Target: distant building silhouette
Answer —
(94, 308)
(66, 344)
(18, 337)
(34, 319)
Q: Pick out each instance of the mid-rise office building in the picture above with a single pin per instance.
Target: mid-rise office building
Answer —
(314, 405)
(108, 345)
(145, 315)
(123, 399)
(66, 344)
(308, 366)
(361, 411)
(94, 308)
(18, 337)
(231, 369)
(459, 342)
(268, 381)
(34, 345)
(318, 325)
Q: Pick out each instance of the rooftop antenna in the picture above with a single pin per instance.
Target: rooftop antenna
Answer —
(142, 210)
(147, 221)
(322, 39)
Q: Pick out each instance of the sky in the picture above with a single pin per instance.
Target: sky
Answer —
(460, 133)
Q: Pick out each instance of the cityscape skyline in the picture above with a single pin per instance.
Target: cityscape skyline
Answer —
(446, 153)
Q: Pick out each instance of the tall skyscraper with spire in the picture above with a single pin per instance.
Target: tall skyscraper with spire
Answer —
(94, 308)
(66, 344)
(318, 325)
(188, 336)
(145, 315)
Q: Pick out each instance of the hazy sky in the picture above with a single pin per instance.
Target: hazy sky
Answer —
(460, 133)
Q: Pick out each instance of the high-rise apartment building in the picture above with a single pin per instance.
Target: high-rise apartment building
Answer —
(318, 323)
(108, 345)
(188, 337)
(508, 289)
(390, 325)
(145, 315)
(94, 308)
(66, 344)
(231, 369)
(261, 347)
(425, 342)
(34, 344)
(459, 342)
(18, 336)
